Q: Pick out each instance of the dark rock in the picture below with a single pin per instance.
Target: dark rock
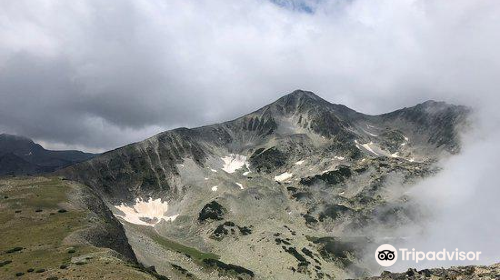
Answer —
(212, 211)
(228, 268)
(331, 177)
(333, 212)
(267, 160)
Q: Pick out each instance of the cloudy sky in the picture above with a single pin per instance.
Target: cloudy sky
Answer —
(96, 75)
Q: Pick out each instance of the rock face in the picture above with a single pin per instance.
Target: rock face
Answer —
(21, 156)
(212, 211)
(300, 169)
(298, 124)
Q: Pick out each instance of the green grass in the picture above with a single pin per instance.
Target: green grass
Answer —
(175, 246)
(41, 234)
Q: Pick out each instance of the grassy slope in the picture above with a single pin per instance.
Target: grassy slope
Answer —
(41, 235)
(175, 246)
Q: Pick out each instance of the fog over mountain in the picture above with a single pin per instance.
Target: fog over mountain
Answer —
(462, 202)
(98, 75)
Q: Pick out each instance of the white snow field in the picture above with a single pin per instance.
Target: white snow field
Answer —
(283, 177)
(214, 188)
(147, 213)
(233, 162)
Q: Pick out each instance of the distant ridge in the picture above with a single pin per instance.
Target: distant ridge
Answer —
(21, 156)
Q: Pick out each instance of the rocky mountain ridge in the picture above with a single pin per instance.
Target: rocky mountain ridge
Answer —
(291, 189)
(21, 156)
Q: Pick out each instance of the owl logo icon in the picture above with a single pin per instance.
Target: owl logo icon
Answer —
(386, 255)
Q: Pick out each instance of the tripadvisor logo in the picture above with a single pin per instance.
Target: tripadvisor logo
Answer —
(387, 255)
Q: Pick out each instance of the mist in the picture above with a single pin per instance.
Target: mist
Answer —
(457, 208)
(96, 75)
(462, 199)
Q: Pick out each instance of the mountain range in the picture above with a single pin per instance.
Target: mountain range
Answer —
(281, 190)
(21, 156)
(290, 191)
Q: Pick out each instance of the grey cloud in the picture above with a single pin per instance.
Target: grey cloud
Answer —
(100, 74)
(125, 68)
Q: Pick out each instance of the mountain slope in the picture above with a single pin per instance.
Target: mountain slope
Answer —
(300, 121)
(280, 190)
(55, 229)
(21, 156)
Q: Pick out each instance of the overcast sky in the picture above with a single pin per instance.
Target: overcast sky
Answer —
(96, 75)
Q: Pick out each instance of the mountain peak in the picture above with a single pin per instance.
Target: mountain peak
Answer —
(11, 137)
(301, 94)
(299, 99)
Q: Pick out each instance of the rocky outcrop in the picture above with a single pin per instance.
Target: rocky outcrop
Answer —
(456, 272)
(105, 230)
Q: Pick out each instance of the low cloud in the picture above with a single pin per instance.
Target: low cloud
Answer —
(462, 201)
(99, 74)
(455, 209)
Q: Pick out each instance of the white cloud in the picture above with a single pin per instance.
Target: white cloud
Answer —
(145, 66)
(100, 74)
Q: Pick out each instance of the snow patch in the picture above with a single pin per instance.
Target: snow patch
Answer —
(214, 188)
(283, 177)
(233, 162)
(339, 158)
(147, 213)
(240, 185)
(213, 170)
(369, 148)
(246, 173)
(300, 162)
(369, 133)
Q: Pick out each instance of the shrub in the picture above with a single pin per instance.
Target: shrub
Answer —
(15, 249)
